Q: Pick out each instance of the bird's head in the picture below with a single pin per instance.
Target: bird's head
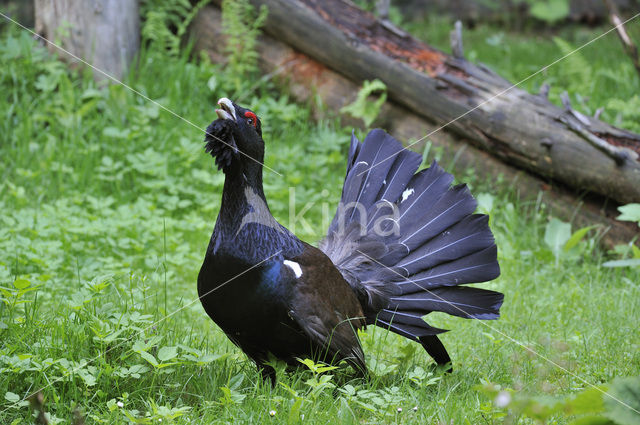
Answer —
(235, 137)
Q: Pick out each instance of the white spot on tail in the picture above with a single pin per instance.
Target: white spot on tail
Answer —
(294, 266)
(406, 194)
(384, 181)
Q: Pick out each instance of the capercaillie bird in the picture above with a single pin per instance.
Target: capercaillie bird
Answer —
(401, 245)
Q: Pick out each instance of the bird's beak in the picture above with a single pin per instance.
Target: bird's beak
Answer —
(227, 111)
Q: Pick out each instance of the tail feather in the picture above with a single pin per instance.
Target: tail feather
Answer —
(402, 169)
(423, 192)
(409, 331)
(352, 188)
(470, 303)
(407, 264)
(451, 207)
(402, 317)
(470, 235)
(354, 149)
(480, 266)
(380, 154)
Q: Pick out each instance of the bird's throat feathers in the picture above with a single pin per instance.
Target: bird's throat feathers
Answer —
(245, 227)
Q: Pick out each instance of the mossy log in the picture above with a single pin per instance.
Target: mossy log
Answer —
(521, 129)
(307, 78)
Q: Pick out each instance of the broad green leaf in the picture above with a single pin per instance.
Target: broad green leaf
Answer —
(550, 10)
(324, 369)
(630, 262)
(167, 353)
(91, 93)
(623, 404)
(294, 412)
(116, 133)
(236, 381)
(308, 363)
(21, 283)
(12, 397)
(87, 377)
(230, 396)
(630, 212)
(212, 83)
(345, 413)
(485, 202)
(592, 420)
(556, 235)
(133, 418)
(636, 251)
(587, 401)
(148, 357)
(577, 236)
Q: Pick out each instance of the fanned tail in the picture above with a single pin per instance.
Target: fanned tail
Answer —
(405, 241)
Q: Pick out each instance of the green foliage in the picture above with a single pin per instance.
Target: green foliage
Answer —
(556, 234)
(241, 24)
(165, 22)
(627, 391)
(106, 207)
(106, 202)
(627, 112)
(317, 368)
(598, 405)
(364, 107)
(577, 71)
(630, 212)
(561, 241)
(550, 11)
(629, 262)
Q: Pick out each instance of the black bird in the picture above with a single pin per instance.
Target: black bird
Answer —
(399, 247)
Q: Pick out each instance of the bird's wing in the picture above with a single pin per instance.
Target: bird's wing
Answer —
(325, 307)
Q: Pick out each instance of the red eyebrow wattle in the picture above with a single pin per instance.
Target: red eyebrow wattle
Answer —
(251, 115)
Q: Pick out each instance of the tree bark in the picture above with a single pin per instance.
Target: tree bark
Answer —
(104, 33)
(307, 79)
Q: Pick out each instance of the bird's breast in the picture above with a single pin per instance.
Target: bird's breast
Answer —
(230, 293)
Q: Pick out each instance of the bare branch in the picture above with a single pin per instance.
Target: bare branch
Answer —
(629, 46)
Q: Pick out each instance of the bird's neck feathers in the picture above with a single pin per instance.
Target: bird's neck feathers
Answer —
(245, 228)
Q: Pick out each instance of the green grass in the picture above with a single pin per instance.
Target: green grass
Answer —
(106, 207)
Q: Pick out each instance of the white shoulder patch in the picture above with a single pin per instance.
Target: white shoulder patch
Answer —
(294, 266)
(406, 194)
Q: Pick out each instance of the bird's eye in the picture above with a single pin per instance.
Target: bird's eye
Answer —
(251, 118)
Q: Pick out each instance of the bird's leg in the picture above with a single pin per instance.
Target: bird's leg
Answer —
(435, 349)
(267, 372)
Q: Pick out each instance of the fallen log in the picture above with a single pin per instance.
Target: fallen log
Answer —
(306, 78)
(519, 128)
